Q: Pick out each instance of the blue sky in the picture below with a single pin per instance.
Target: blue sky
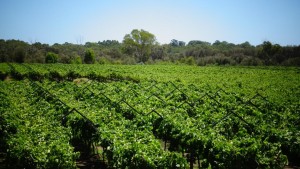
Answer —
(80, 21)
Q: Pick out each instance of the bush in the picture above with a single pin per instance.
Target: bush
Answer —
(103, 61)
(251, 61)
(51, 57)
(292, 62)
(89, 56)
(76, 60)
(188, 60)
(209, 60)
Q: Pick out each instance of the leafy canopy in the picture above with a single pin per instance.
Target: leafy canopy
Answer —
(139, 43)
(51, 57)
(89, 56)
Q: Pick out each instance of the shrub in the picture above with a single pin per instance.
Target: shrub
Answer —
(51, 57)
(89, 56)
(76, 60)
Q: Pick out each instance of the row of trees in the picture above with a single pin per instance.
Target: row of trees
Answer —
(141, 46)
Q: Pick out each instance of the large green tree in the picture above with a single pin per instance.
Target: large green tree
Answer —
(271, 54)
(89, 56)
(139, 44)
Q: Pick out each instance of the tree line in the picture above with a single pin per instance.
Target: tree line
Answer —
(141, 47)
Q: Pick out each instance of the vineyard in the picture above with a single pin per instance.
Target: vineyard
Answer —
(55, 115)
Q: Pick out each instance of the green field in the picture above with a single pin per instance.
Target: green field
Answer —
(149, 116)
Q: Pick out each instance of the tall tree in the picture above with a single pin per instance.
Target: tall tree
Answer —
(264, 51)
(139, 43)
(89, 56)
(19, 54)
(175, 43)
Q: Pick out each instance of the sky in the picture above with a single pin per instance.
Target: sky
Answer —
(80, 21)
